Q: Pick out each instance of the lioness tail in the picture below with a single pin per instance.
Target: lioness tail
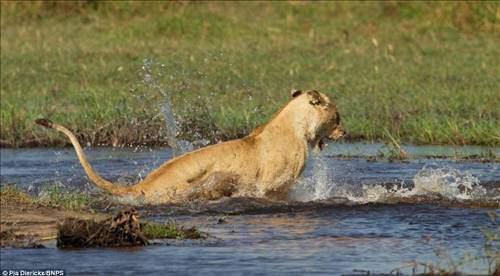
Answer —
(99, 181)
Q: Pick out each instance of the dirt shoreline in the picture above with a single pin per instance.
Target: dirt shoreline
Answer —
(29, 225)
(28, 222)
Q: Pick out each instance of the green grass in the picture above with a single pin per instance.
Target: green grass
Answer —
(392, 150)
(11, 193)
(154, 230)
(426, 73)
(51, 196)
(57, 196)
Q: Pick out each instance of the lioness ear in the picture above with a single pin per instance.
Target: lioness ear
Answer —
(314, 97)
(295, 93)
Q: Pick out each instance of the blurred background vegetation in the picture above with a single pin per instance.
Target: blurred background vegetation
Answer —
(423, 73)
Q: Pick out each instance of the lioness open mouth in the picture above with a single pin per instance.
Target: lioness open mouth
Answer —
(323, 141)
(322, 144)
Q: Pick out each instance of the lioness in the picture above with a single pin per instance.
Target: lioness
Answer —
(264, 164)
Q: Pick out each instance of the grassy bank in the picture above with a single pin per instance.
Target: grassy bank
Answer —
(417, 72)
(72, 218)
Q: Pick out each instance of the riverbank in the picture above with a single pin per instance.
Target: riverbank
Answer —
(34, 222)
(28, 222)
(408, 71)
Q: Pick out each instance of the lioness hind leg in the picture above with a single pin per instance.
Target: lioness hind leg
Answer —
(215, 186)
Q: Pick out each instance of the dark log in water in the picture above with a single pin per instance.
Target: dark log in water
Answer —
(122, 230)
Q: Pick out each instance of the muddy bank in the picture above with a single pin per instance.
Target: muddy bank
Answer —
(117, 135)
(27, 222)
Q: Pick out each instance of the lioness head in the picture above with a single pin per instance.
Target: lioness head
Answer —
(320, 119)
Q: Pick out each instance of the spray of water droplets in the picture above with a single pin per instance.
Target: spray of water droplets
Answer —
(446, 182)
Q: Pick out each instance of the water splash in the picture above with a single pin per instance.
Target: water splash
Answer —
(431, 180)
(171, 126)
(448, 182)
(319, 185)
(192, 126)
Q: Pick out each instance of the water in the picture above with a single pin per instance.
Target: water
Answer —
(348, 214)
(160, 84)
(171, 127)
(331, 241)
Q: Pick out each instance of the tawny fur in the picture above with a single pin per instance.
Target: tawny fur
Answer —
(265, 163)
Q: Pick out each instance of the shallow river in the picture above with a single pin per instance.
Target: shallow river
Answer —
(348, 216)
